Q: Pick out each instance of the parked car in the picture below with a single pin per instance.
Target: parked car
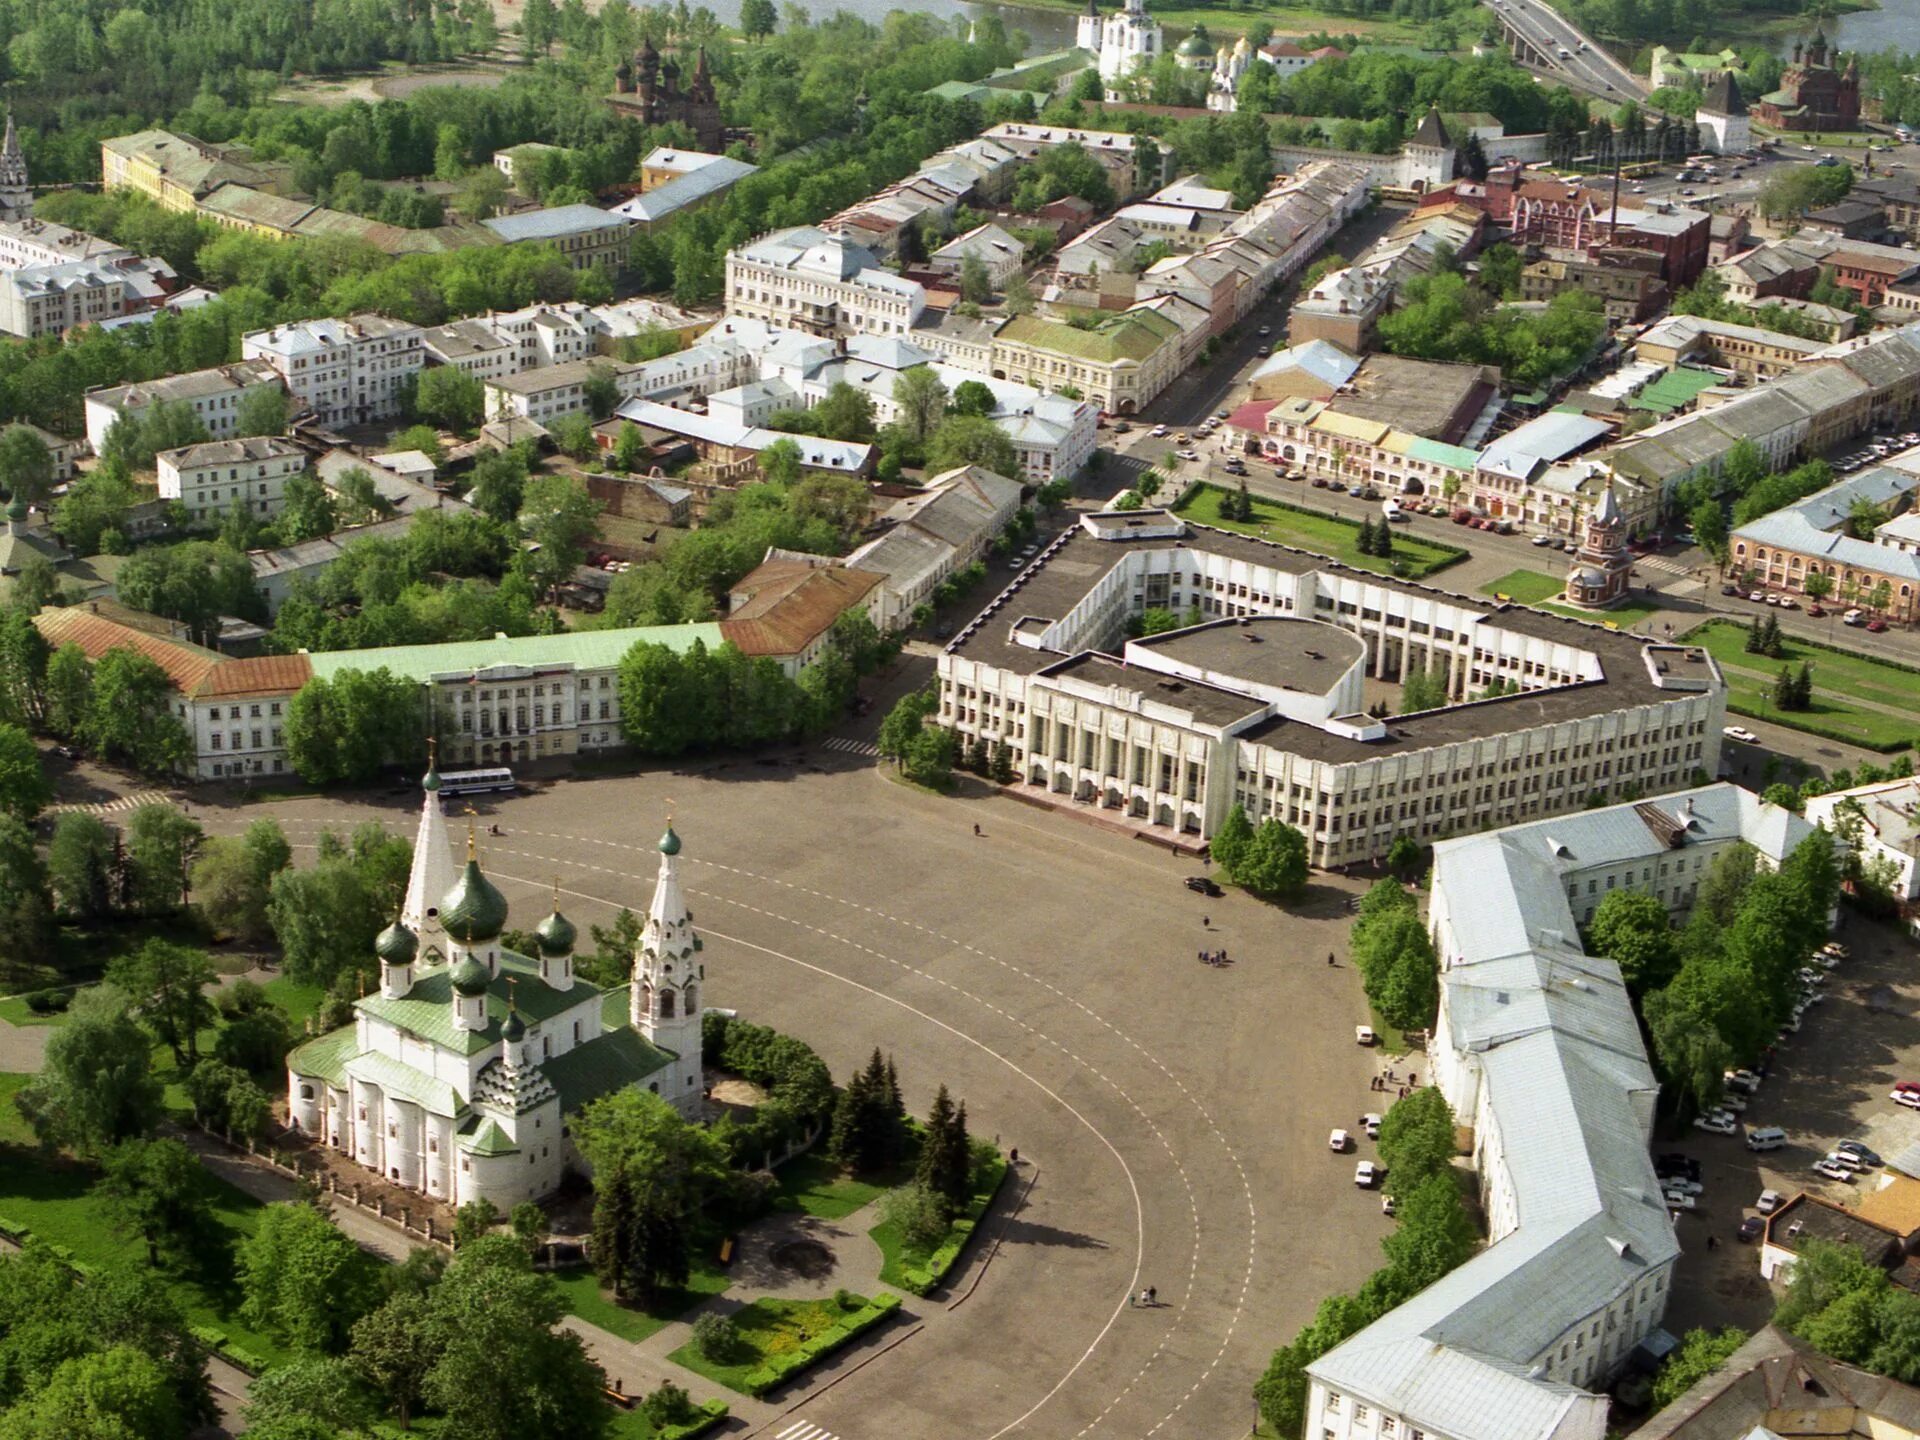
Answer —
(1365, 1173)
(1742, 1079)
(1835, 949)
(1387, 1205)
(1876, 626)
(1370, 1123)
(1201, 885)
(1685, 1187)
(1724, 1124)
(1817, 610)
(1852, 1164)
(1908, 1098)
(1751, 1229)
(1339, 1140)
(1363, 1034)
(1159, 432)
(1678, 1199)
(1729, 589)
(1833, 1171)
(1769, 1201)
(1757, 596)
(1854, 1147)
(1684, 1165)
(1544, 540)
(1740, 733)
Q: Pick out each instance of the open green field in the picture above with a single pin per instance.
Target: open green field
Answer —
(1531, 587)
(1320, 533)
(596, 1306)
(1856, 699)
(52, 1197)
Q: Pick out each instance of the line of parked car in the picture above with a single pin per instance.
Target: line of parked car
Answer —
(1874, 451)
(1366, 1173)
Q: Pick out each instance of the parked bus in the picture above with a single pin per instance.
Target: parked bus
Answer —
(477, 782)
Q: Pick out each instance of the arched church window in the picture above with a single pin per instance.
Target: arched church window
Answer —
(666, 1005)
(693, 998)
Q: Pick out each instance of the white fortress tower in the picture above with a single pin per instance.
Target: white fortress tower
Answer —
(668, 977)
(1124, 41)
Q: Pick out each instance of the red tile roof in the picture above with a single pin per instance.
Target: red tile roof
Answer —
(785, 605)
(194, 670)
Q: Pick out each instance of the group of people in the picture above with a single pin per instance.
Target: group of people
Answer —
(1389, 1080)
(1212, 957)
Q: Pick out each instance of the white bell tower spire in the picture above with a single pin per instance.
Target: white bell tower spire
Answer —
(668, 976)
(433, 874)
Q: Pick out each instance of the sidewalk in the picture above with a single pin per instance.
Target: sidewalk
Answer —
(270, 1187)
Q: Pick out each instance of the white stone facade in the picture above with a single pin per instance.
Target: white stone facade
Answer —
(209, 478)
(347, 372)
(1126, 41)
(807, 279)
(214, 395)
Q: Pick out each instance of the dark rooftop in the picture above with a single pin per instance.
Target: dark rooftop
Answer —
(1208, 704)
(1279, 651)
(1431, 398)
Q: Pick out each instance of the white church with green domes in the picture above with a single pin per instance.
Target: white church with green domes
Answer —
(458, 1078)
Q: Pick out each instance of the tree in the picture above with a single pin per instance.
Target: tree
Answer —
(971, 397)
(930, 756)
(1417, 1138)
(668, 1170)
(1273, 864)
(922, 400)
(1434, 1235)
(499, 484)
(972, 440)
(922, 1216)
(265, 412)
(81, 865)
(904, 723)
(314, 1388)
(945, 1166)
(976, 283)
(168, 986)
(112, 1394)
(302, 1280)
(24, 787)
(224, 1096)
(450, 398)
(69, 691)
(1631, 928)
(1701, 1353)
(130, 716)
(95, 505)
(394, 1349)
(27, 928)
(256, 1042)
(1405, 857)
(156, 1190)
(630, 449)
(1421, 689)
(1017, 296)
(161, 845)
(504, 1371)
(233, 877)
(97, 1086)
(756, 19)
(1231, 841)
(196, 584)
(307, 511)
(26, 465)
(345, 728)
(846, 413)
(559, 518)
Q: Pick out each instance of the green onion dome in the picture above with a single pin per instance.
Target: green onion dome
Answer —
(473, 911)
(469, 976)
(556, 934)
(669, 842)
(515, 1029)
(1195, 45)
(396, 945)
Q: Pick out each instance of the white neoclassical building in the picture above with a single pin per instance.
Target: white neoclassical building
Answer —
(458, 1076)
(1124, 42)
(1544, 716)
(807, 279)
(1539, 1053)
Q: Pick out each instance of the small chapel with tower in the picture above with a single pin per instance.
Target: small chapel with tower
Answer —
(1603, 566)
(647, 87)
(458, 1076)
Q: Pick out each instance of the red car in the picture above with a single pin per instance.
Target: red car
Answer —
(1907, 1085)
(1816, 610)
(1460, 517)
(1876, 626)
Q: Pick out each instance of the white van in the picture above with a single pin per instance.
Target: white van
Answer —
(1767, 1137)
(1391, 509)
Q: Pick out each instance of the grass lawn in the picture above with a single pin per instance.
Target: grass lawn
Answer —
(814, 1185)
(14, 1011)
(1529, 587)
(299, 1001)
(51, 1197)
(632, 1425)
(596, 1306)
(768, 1329)
(14, 1129)
(918, 1270)
(1320, 533)
(1839, 680)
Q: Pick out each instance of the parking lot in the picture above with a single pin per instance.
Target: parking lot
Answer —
(1829, 1082)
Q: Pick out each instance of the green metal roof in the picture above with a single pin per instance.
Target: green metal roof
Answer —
(1674, 390)
(579, 649)
(324, 1057)
(427, 1009)
(402, 1081)
(1130, 335)
(610, 1061)
(478, 1137)
(1435, 453)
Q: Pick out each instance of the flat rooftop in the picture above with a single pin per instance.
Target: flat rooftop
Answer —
(1208, 704)
(1423, 397)
(1277, 651)
(1073, 564)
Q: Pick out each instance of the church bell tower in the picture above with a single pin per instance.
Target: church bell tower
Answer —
(668, 977)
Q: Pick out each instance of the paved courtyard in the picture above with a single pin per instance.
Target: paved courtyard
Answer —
(1171, 1117)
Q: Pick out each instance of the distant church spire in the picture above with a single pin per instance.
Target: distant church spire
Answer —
(664, 999)
(432, 875)
(16, 194)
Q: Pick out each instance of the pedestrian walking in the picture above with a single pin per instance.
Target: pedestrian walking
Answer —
(976, 828)
(1153, 1295)
(1013, 1156)
(1329, 957)
(1206, 922)
(1413, 1079)
(1403, 1092)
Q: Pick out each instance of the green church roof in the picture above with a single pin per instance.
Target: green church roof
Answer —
(474, 909)
(427, 1009)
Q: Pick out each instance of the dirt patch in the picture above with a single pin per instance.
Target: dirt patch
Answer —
(738, 1092)
(808, 1259)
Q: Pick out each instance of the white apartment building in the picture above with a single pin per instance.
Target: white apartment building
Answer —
(41, 242)
(1538, 1051)
(53, 299)
(214, 395)
(488, 346)
(209, 478)
(552, 392)
(1266, 721)
(347, 372)
(1882, 823)
(807, 279)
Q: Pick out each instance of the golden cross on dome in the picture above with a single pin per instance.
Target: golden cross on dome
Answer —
(472, 845)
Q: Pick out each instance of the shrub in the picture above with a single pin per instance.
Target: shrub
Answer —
(669, 1404)
(49, 1002)
(921, 1215)
(716, 1339)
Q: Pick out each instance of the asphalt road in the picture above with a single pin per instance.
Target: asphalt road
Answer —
(1549, 32)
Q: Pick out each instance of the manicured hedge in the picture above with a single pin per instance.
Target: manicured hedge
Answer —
(922, 1279)
(781, 1368)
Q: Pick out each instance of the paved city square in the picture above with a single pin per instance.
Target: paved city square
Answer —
(1171, 1117)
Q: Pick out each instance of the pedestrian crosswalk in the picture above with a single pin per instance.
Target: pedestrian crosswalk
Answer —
(113, 807)
(1661, 562)
(849, 746)
(805, 1430)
